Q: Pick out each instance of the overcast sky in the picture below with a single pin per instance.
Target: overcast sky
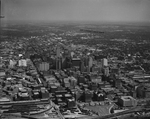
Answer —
(77, 10)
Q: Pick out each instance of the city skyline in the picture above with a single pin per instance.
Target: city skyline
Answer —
(75, 59)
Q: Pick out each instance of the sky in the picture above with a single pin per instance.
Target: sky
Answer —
(77, 10)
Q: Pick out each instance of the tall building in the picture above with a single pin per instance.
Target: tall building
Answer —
(117, 82)
(72, 54)
(64, 63)
(58, 63)
(90, 62)
(104, 62)
(1, 59)
(44, 66)
(68, 62)
(76, 62)
(58, 52)
(58, 58)
(106, 71)
(86, 61)
(82, 68)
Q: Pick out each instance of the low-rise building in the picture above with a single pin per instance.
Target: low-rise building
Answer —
(127, 101)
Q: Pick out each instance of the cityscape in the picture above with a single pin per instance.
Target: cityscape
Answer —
(74, 69)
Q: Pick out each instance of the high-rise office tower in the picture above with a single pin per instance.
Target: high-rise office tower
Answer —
(58, 58)
(58, 52)
(58, 63)
(72, 54)
(106, 71)
(104, 62)
(82, 66)
(76, 62)
(86, 61)
(90, 62)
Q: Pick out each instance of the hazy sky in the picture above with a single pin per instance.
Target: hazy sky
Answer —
(77, 10)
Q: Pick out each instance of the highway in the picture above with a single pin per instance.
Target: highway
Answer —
(132, 110)
(57, 111)
(28, 102)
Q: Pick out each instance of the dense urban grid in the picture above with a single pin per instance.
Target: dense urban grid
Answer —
(59, 70)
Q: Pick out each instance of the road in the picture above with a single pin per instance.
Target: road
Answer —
(132, 110)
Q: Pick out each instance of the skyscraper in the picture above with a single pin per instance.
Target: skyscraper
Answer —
(104, 62)
(82, 65)
(58, 58)
(58, 52)
(58, 63)
(90, 62)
